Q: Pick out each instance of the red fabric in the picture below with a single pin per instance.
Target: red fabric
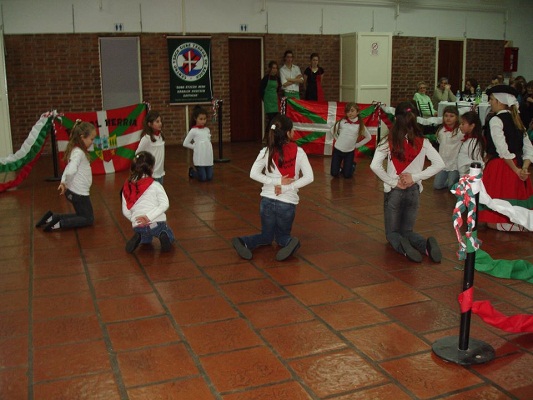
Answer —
(465, 300)
(516, 323)
(410, 153)
(289, 160)
(319, 90)
(448, 128)
(133, 190)
(22, 175)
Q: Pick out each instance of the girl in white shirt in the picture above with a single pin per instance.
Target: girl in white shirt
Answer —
(350, 133)
(75, 182)
(153, 141)
(406, 150)
(283, 168)
(450, 139)
(199, 140)
(473, 145)
(144, 203)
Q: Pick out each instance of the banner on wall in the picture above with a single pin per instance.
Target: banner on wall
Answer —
(118, 132)
(190, 69)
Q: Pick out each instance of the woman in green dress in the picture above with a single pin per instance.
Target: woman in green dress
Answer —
(270, 89)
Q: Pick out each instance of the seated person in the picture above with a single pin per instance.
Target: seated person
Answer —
(423, 101)
(470, 88)
(443, 92)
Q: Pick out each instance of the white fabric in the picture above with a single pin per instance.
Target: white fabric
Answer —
(153, 203)
(157, 149)
(464, 159)
(347, 135)
(303, 176)
(390, 177)
(449, 145)
(78, 176)
(506, 98)
(287, 73)
(199, 140)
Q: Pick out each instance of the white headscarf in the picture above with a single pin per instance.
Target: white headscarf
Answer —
(506, 98)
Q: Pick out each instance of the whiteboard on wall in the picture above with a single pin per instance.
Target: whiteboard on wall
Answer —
(6, 142)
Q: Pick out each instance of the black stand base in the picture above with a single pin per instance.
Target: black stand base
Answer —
(221, 160)
(478, 352)
(53, 179)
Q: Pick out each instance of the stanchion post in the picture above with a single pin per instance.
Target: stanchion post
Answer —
(463, 350)
(220, 158)
(53, 144)
(378, 138)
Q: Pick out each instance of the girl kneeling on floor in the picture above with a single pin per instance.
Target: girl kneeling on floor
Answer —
(144, 202)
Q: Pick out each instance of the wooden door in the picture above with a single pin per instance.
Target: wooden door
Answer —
(244, 80)
(450, 62)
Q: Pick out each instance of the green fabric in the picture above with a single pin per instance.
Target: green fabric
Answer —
(509, 269)
(292, 95)
(270, 97)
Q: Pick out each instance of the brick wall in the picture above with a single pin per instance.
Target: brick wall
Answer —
(62, 72)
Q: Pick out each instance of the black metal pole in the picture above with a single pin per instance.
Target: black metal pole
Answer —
(53, 144)
(378, 139)
(220, 159)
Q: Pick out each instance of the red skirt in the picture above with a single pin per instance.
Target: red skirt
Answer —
(502, 183)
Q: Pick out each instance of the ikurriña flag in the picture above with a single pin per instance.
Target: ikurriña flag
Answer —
(118, 132)
(313, 122)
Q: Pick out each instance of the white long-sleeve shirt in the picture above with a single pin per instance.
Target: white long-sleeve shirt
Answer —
(347, 135)
(78, 176)
(157, 149)
(416, 168)
(199, 140)
(498, 137)
(260, 173)
(449, 145)
(153, 203)
(464, 159)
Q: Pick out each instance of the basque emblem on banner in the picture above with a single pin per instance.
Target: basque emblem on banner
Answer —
(313, 122)
(118, 132)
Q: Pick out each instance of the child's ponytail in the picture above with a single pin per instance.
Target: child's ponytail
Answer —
(78, 132)
(142, 165)
(277, 137)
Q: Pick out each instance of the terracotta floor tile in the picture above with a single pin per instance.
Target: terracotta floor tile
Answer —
(275, 312)
(333, 259)
(14, 323)
(90, 387)
(62, 305)
(14, 281)
(60, 285)
(14, 384)
(385, 392)
(320, 292)
(141, 333)
(217, 257)
(292, 274)
(425, 316)
(302, 339)
(16, 300)
(426, 375)
(108, 269)
(390, 294)
(254, 290)
(244, 368)
(185, 289)
(171, 271)
(205, 309)
(65, 330)
(336, 373)
(109, 253)
(231, 273)
(155, 364)
(386, 341)
(282, 391)
(56, 362)
(204, 244)
(125, 308)
(192, 389)
(13, 352)
(222, 336)
(419, 278)
(481, 393)
(121, 286)
(360, 275)
(349, 314)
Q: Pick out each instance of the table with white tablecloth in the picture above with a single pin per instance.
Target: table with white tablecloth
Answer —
(464, 106)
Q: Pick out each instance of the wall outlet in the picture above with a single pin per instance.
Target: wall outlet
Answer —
(119, 27)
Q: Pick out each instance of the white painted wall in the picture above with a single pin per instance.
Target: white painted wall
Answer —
(476, 19)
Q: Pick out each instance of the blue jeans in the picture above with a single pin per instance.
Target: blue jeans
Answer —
(276, 223)
(148, 232)
(346, 158)
(84, 211)
(400, 210)
(445, 179)
(203, 174)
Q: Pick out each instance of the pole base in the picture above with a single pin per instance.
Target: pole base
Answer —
(221, 160)
(478, 351)
(53, 179)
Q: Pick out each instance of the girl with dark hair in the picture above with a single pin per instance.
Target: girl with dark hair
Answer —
(75, 182)
(199, 140)
(283, 168)
(144, 202)
(406, 150)
(313, 76)
(449, 137)
(270, 89)
(473, 144)
(153, 141)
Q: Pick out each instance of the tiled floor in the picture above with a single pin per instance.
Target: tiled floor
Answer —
(347, 318)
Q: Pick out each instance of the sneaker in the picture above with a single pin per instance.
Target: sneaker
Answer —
(165, 242)
(433, 250)
(289, 250)
(241, 249)
(46, 218)
(133, 243)
(51, 224)
(409, 251)
(191, 172)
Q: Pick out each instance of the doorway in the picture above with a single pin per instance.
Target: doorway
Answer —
(244, 82)
(450, 62)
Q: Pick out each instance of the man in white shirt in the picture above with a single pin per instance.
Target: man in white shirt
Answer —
(291, 77)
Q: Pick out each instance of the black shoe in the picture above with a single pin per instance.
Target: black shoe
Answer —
(433, 250)
(165, 242)
(289, 250)
(50, 225)
(409, 251)
(46, 218)
(191, 172)
(241, 249)
(133, 243)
